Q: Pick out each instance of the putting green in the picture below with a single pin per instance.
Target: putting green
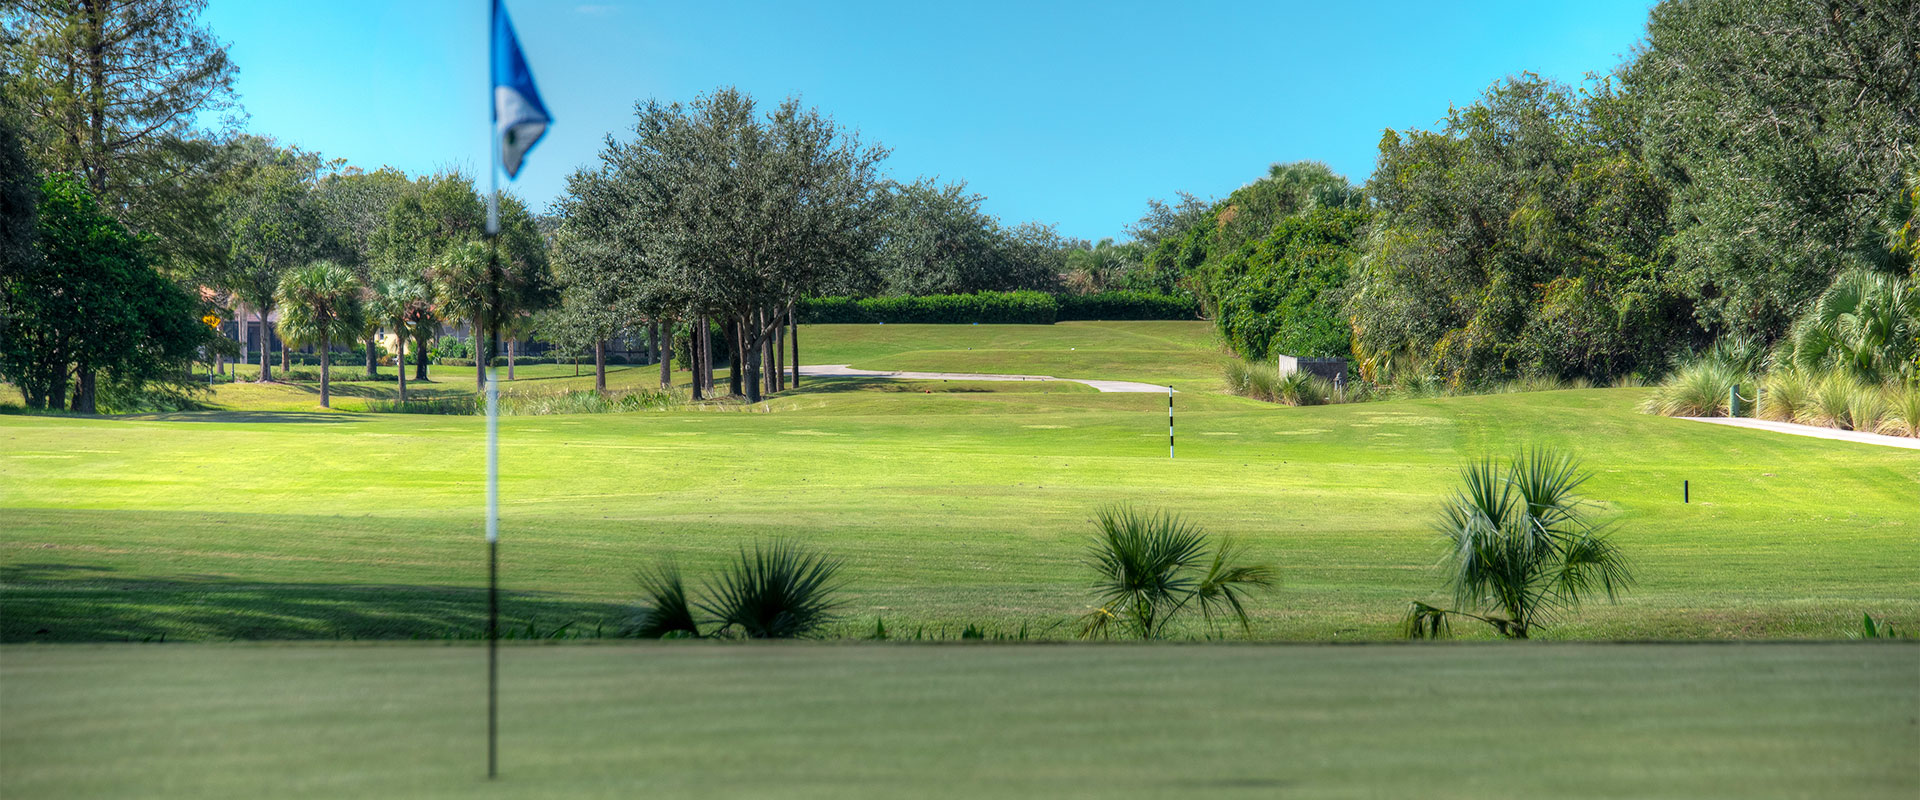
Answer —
(967, 506)
(693, 720)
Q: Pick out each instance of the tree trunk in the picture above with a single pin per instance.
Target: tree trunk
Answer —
(83, 394)
(266, 365)
(420, 347)
(599, 366)
(662, 342)
(400, 364)
(284, 351)
(736, 334)
(509, 359)
(752, 365)
(373, 367)
(793, 332)
(779, 357)
(693, 360)
(482, 358)
(326, 363)
(707, 367)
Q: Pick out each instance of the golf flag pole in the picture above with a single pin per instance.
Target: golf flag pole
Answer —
(519, 120)
(1169, 422)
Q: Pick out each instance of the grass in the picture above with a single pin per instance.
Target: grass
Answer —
(693, 720)
(971, 505)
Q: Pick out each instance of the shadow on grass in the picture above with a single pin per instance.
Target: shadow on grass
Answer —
(244, 416)
(55, 602)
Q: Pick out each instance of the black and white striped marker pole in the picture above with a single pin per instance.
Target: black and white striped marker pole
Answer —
(1169, 422)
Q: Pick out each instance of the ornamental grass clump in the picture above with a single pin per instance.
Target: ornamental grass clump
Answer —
(1784, 393)
(1521, 548)
(1699, 389)
(1903, 410)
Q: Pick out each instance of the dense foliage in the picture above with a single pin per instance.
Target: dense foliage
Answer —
(90, 321)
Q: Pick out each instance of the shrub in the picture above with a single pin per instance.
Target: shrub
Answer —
(1697, 390)
(1151, 566)
(450, 347)
(612, 360)
(666, 610)
(780, 590)
(1301, 388)
(1259, 380)
(454, 362)
(1520, 547)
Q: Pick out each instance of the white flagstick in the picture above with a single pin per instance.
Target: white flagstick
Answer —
(493, 570)
(1169, 422)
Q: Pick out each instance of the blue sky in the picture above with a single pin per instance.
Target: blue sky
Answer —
(1068, 113)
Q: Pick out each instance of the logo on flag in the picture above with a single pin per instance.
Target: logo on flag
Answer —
(519, 118)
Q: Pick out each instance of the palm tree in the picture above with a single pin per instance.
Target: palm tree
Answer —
(1866, 323)
(321, 303)
(400, 304)
(1154, 565)
(462, 290)
(1520, 547)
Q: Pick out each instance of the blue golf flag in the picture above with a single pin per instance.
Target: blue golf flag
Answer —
(519, 118)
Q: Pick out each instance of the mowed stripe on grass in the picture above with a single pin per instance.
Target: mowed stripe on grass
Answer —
(691, 720)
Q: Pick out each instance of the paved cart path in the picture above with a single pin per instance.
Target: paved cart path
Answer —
(1816, 432)
(843, 370)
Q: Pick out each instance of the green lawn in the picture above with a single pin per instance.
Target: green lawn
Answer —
(969, 505)
(1459, 721)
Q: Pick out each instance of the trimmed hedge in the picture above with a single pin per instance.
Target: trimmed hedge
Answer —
(1000, 308)
(1127, 306)
(454, 362)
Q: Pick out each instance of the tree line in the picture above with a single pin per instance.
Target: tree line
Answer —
(1750, 154)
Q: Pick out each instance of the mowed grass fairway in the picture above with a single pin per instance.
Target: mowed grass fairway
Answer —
(1466, 721)
(953, 503)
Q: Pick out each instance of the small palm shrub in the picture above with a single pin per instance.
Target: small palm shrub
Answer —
(1151, 567)
(1784, 393)
(1520, 547)
(1697, 390)
(666, 611)
(777, 590)
(780, 590)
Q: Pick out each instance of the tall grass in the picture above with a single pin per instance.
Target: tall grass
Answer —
(1262, 381)
(1903, 411)
(1697, 390)
(578, 401)
(1785, 394)
(459, 405)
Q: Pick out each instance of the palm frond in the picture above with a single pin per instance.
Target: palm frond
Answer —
(780, 590)
(665, 609)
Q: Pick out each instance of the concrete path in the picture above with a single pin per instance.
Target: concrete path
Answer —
(845, 371)
(1814, 431)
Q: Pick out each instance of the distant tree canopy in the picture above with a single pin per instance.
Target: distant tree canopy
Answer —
(1715, 185)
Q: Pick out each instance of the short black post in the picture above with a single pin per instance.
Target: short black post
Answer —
(1686, 493)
